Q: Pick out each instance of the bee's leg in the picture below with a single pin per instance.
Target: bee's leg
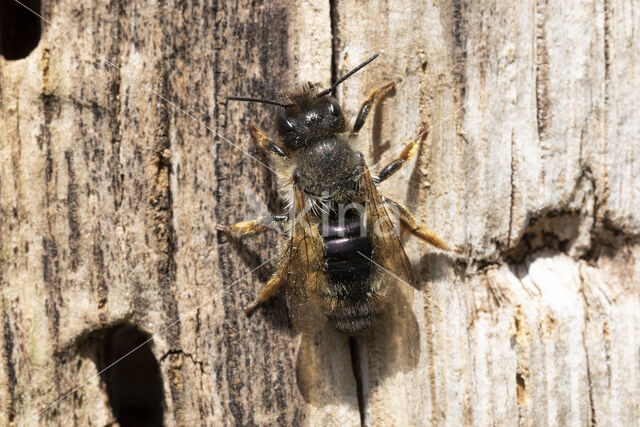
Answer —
(366, 105)
(267, 292)
(407, 153)
(253, 226)
(264, 142)
(411, 223)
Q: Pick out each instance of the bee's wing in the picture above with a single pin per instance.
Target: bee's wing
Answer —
(306, 276)
(388, 254)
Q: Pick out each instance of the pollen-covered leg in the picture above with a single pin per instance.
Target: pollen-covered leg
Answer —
(254, 226)
(264, 142)
(375, 95)
(267, 292)
(411, 223)
(407, 153)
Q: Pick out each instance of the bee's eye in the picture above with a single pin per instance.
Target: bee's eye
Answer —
(333, 108)
(286, 125)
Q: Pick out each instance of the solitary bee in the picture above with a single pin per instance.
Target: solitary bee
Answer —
(343, 258)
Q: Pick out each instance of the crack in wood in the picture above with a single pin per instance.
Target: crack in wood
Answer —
(513, 190)
(11, 378)
(542, 69)
(591, 402)
(357, 374)
(335, 40)
(182, 353)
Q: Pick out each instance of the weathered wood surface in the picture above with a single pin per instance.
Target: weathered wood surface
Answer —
(110, 194)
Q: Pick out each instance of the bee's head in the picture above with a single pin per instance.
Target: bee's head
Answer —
(307, 117)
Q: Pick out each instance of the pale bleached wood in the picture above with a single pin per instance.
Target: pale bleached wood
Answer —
(518, 171)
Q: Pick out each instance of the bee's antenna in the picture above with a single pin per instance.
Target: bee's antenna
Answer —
(262, 101)
(332, 89)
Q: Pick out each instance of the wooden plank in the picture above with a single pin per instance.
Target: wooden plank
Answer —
(112, 182)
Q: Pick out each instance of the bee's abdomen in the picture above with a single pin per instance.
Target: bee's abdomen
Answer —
(347, 255)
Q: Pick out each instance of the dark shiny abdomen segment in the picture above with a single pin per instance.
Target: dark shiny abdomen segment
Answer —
(347, 255)
(345, 260)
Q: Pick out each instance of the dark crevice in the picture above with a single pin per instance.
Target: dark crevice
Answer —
(607, 51)
(606, 88)
(183, 354)
(355, 364)
(72, 213)
(20, 28)
(163, 234)
(11, 378)
(333, 16)
(513, 192)
(460, 28)
(114, 113)
(555, 229)
(542, 69)
(589, 377)
(133, 380)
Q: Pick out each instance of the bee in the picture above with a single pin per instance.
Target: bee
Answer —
(343, 259)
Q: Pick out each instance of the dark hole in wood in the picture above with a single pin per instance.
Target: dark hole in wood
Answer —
(134, 384)
(20, 28)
